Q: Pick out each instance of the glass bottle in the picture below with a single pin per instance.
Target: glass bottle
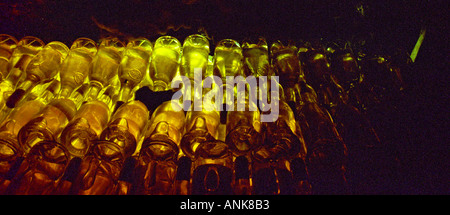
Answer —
(327, 153)
(256, 58)
(85, 127)
(26, 49)
(212, 169)
(41, 68)
(318, 75)
(283, 140)
(243, 129)
(11, 152)
(75, 67)
(42, 168)
(105, 66)
(133, 67)
(48, 124)
(201, 126)
(100, 170)
(165, 62)
(195, 55)
(286, 64)
(159, 152)
(7, 45)
(227, 59)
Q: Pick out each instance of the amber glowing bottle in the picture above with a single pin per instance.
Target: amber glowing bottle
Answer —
(157, 167)
(243, 129)
(227, 59)
(75, 67)
(41, 68)
(327, 153)
(105, 66)
(195, 55)
(7, 45)
(165, 62)
(283, 141)
(85, 127)
(133, 67)
(43, 166)
(201, 126)
(100, 170)
(212, 169)
(11, 152)
(48, 124)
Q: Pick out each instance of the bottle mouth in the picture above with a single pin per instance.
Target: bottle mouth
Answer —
(51, 151)
(78, 142)
(212, 149)
(9, 148)
(32, 134)
(191, 141)
(52, 156)
(160, 148)
(108, 151)
(242, 140)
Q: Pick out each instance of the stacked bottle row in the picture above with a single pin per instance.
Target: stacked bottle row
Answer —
(97, 118)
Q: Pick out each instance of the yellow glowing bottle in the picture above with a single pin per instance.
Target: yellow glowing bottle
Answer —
(195, 55)
(100, 171)
(10, 150)
(7, 45)
(105, 66)
(26, 49)
(85, 127)
(15, 73)
(165, 62)
(48, 124)
(42, 68)
(159, 152)
(75, 67)
(227, 59)
(256, 58)
(133, 67)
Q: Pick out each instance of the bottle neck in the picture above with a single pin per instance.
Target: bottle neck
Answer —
(159, 86)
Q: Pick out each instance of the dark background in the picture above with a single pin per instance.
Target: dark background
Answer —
(388, 26)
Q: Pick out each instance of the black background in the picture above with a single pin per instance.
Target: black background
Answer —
(387, 25)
